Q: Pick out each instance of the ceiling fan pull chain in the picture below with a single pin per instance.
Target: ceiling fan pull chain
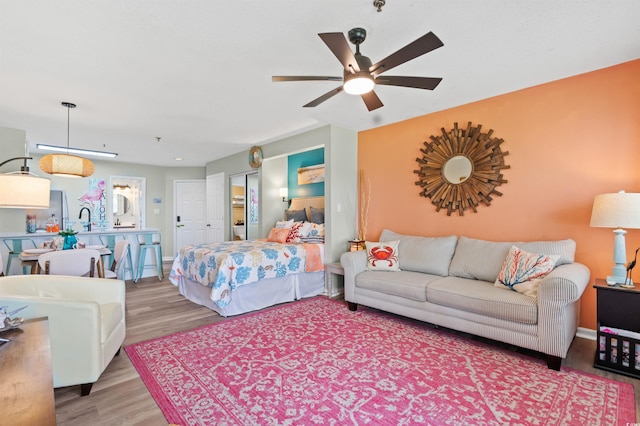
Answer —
(379, 4)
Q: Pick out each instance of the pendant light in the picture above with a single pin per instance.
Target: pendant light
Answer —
(65, 164)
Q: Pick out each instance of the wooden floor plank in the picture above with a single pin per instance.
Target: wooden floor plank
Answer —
(155, 309)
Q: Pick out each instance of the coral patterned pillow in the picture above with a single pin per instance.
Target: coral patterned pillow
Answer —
(278, 235)
(294, 233)
(522, 271)
(382, 256)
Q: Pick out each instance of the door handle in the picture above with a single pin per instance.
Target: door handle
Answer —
(180, 225)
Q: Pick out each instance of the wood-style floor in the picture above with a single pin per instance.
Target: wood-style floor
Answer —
(154, 309)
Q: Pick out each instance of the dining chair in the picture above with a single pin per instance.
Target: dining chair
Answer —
(15, 247)
(79, 262)
(121, 253)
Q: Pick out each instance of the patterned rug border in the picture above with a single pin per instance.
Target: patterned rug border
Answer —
(626, 401)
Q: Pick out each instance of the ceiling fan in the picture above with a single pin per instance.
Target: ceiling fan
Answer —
(360, 76)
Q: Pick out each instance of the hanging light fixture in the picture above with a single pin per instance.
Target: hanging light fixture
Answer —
(66, 164)
(23, 189)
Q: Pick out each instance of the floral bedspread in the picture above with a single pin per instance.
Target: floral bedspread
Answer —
(226, 266)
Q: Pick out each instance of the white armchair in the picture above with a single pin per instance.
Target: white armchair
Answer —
(86, 321)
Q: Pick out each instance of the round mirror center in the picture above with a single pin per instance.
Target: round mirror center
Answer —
(457, 169)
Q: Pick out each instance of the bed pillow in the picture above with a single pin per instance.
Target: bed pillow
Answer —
(317, 215)
(382, 256)
(284, 224)
(312, 232)
(296, 215)
(294, 233)
(278, 235)
(522, 271)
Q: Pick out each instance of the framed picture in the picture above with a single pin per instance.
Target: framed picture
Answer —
(311, 174)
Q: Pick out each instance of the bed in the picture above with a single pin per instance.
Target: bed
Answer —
(234, 277)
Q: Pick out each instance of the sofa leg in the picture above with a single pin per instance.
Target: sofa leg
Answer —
(85, 389)
(554, 362)
(352, 306)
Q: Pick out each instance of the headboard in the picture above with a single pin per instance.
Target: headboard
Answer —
(306, 203)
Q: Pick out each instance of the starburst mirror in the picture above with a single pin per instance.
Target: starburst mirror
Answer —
(461, 169)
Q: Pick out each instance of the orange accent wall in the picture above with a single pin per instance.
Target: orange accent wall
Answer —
(568, 141)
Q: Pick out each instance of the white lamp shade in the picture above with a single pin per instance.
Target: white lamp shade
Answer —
(616, 210)
(284, 192)
(22, 191)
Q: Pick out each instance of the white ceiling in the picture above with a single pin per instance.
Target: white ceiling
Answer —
(197, 73)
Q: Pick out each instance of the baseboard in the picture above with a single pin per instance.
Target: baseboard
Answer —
(586, 333)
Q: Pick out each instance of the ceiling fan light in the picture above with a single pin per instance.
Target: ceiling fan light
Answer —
(66, 165)
(359, 83)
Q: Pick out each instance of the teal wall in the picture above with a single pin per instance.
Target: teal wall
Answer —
(304, 159)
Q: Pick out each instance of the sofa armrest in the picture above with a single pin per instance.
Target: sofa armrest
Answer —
(565, 284)
(559, 307)
(353, 262)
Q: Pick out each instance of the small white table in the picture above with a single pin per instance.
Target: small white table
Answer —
(333, 286)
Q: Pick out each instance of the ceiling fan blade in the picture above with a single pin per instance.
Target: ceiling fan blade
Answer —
(304, 78)
(371, 100)
(424, 44)
(324, 97)
(428, 83)
(338, 44)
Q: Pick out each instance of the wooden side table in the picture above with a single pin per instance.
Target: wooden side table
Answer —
(333, 285)
(618, 329)
(26, 382)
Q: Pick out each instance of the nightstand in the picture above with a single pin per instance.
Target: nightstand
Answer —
(333, 279)
(618, 329)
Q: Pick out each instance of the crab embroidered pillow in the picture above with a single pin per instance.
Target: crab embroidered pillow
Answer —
(522, 271)
(382, 256)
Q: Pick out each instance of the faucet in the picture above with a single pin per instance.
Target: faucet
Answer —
(89, 213)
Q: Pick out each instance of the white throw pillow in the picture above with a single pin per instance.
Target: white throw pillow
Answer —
(522, 271)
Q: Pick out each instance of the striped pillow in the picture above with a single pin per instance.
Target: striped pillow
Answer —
(522, 271)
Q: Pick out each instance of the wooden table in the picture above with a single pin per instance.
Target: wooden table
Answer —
(32, 259)
(26, 380)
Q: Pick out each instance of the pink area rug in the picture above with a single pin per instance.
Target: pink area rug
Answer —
(314, 362)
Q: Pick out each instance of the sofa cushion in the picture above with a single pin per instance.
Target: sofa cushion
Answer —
(407, 284)
(110, 317)
(483, 298)
(482, 260)
(431, 255)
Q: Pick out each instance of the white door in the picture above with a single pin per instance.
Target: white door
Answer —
(215, 208)
(191, 213)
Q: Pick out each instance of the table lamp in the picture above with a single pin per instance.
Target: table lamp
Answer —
(617, 210)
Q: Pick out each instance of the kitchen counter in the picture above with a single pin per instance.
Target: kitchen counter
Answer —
(89, 238)
(96, 233)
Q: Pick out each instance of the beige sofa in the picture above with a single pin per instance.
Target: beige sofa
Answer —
(86, 321)
(449, 282)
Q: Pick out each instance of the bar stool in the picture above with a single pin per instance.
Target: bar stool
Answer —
(16, 246)
(111, 241)
(149, 241)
